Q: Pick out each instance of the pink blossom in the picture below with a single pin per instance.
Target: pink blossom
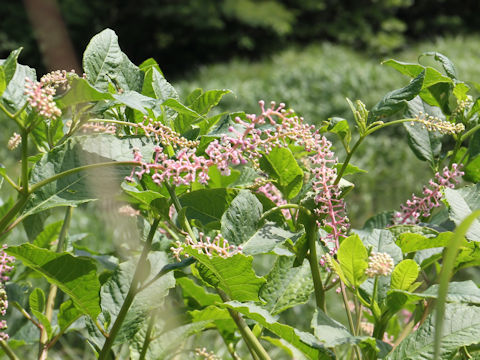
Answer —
(40, 97)
(272, 193)
(206, 245)
(418, 207)
(5, 267)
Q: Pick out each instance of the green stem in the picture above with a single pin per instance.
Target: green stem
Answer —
(8, 350)
(348, 158)
(24, 176)
(247, 335)
(38, 185)
(53, 288)
(11, 182)
(148, 337)
(374, 296)
(16, 208)
(310, 229)
(132, 291)
(178, 208)
(284, 206)
(469, 133)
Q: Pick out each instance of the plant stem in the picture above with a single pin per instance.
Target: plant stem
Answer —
(469, 133)
(284, 206)
(148, 337)
(310, 229)
(16, 208)
(178, 207)
(247, 335)
(132, 291)
(24, 178)
(348, 158)
(53, 288)
(8, 350)
(11, 182)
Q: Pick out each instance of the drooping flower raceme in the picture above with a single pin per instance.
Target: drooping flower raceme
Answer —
(272, 193)
(418, 207)
(14, 141)
(206, 245)
(6, 266)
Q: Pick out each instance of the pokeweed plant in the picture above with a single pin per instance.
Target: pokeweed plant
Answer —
(212, 193)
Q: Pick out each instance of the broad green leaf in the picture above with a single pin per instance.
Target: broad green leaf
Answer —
(404, 275)
(197, 293)
(268, 239)
(397, 230)
(181, 109)
(281, 165)
(409, 242)
(379, 221)
(156, 86)
(206, 101)
(166, 342)
(67, 314)
(81, 91)
(193, 96)
(352, 256)
(426, 145)
(217, 180)
(48, 235)
(234, 275)
(472, 167)
(44, 321)
(412, 70)
(75, 276)
(381, 240)
(286, 286)
(36, 300)
(135, 100)
(114, 291)
(462, 202)
(396, 100)
(13, 96)
(461, 327)
(350, 169)
(207, 205)
(210, 313)
(148, 64)
(340, 127)
(460, 90)
(445, 61)
(332, 334)
(458, 292)
(105, 63)
(240, 220)
(303, 341)
(83, 186)
(10, 64)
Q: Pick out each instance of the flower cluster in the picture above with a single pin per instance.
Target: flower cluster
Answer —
(433, 123)
(183, 170)
(272, 193)
(462, 106)
(14, 141)
(331, 208)
(164, 135)
(56, 79)
(206, 245)
(204, 354)
(5, 267)
(368, 328)
(379, 264)
(40, 97)
(418, 206)
(98, 127)
(127, 210)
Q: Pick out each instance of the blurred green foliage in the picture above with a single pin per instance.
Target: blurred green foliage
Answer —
(183, 33)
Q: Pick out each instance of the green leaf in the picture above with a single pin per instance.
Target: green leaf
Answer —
(105, 63)
(181, 109)
(352, 256)
(472, 167)
(10, 64)
(281, 165)
(36, 300)
(148, 64)
(409, 242)
(426, 145)
(240, 220)
(404, 275)
(13, 96)
(197, 293)
(48, 235)
(44, 321)
(303, 341)
(206, 101)
(81, 91)
(381, 240)
(462, 202)
(68, 314)
(333, 334)
(75, 276)
(350, 169)
(207, 205)
(268, 239)
(3, 82)
(83, 186)
(234, 275)
(445, 61)
(287, 286)
(340, 127)
(156, 86)
(396, 100)
(135, 100)
(114, 291)
(461, 327)
(379, 221)
(412, 70)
